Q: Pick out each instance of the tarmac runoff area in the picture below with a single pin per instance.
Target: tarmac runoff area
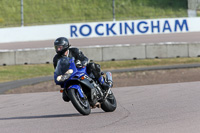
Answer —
(166, 108)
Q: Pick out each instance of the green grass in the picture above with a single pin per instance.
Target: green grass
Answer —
(9, 73)
(146, 63)
(41, 12)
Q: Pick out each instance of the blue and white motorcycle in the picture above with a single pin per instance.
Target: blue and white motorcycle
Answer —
(83, 91)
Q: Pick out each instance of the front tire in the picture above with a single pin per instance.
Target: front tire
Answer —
(110, 103)
(81, 104)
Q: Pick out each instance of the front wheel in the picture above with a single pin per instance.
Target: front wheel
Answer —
(109, 104)
(81, 104)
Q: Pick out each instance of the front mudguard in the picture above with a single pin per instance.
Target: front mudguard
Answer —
(78, 88)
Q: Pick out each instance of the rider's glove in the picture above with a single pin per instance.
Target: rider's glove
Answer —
(84, 63)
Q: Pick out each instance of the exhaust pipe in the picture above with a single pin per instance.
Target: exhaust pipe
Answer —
(109, 78)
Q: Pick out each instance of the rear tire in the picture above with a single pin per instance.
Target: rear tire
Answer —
(110, 103)
(81, 105)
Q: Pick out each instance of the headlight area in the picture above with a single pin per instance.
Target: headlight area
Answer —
(64, 77)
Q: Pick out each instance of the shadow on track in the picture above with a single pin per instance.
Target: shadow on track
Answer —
(43, 116)
(46, 116)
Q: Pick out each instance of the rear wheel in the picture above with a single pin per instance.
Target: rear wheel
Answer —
(110, 103)
(81, 104)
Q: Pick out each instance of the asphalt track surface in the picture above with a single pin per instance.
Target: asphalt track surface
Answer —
(134, 39)
(166, 108)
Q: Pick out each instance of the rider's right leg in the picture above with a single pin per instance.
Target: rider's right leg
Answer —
(96, 71)
(102, 82)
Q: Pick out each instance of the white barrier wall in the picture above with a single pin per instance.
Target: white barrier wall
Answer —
(100, 29)
(156, 51)
(168, 50)
(7, 58)
(194, 50)
(94, 53)
(106, 53)
(34, 56)
(123, 52)
(177, 50)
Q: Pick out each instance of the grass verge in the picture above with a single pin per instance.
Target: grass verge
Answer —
(10, 73)
(42, 12)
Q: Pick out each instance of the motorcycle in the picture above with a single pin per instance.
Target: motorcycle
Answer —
(84, 92)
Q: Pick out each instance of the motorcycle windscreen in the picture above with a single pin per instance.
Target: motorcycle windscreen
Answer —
(62, 65)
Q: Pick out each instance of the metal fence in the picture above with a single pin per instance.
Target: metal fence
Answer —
(41, 12)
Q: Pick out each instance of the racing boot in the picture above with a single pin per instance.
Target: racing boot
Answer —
(103, 84)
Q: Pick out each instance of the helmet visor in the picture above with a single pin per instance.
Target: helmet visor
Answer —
(59, 48)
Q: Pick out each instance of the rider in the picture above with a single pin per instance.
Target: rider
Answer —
(62, 45)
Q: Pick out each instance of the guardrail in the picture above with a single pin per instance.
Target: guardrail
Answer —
(104, 53)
